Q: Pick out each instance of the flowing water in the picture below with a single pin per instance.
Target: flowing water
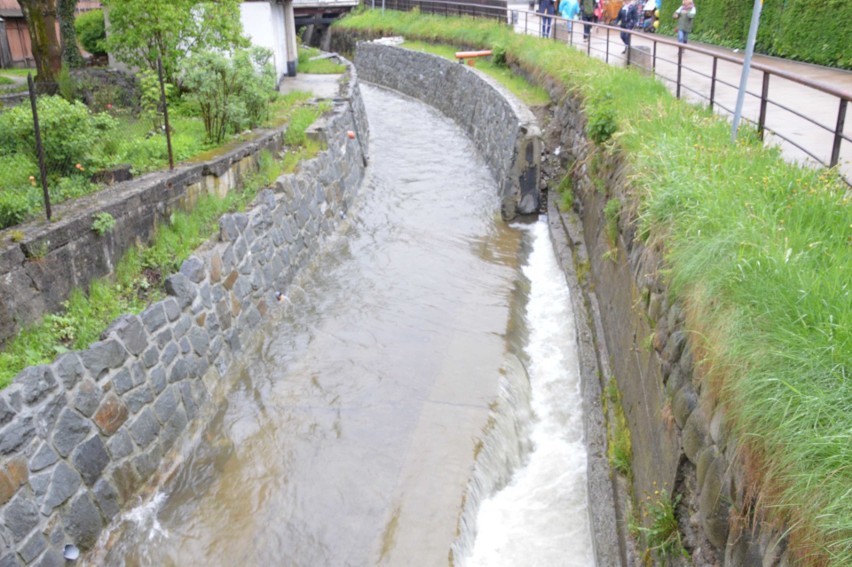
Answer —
(419, 366)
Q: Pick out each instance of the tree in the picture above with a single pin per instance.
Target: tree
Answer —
(140, 30)
(68, 34)
(41, 22)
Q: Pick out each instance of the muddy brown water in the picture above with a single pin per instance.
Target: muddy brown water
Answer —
(349, 430)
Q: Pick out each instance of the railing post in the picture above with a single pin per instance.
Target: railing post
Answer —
(838, 133)
(606, 56)
(589, 44)
(713, 82)
(679, 67)
(654, 58)
(39, 147)
(764, 97)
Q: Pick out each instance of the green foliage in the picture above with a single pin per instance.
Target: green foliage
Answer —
(619, 448)
(612, 212)
(68, 132)
(817, 31)
(91, 31)
(6, 81)
(140, 30)
(566, 193)
(232, 93)
(66, 84)
(317, 66)
(602, 120)
(71, 56)
(103, 223)
(150, 97)
(301, 118)
(498, 55)
(662, 535)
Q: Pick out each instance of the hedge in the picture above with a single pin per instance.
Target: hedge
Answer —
(815, 31)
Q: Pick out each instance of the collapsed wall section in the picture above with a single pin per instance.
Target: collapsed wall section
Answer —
(80, 437)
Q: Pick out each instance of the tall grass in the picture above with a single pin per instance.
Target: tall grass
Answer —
(760, 256)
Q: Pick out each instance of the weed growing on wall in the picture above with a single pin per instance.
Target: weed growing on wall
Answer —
(660, 528)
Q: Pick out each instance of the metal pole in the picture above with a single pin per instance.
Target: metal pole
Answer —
(165, 112)
(838, 133)
(39, 148)
(752, 36)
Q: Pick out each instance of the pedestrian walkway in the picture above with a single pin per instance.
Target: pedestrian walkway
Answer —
(696, 73)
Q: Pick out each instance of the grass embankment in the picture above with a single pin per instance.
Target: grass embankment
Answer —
(140, 272)
(317, 66)
(760, 256)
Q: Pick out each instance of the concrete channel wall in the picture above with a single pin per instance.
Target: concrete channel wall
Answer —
(81, 436)
(681, 444)
(504, 130)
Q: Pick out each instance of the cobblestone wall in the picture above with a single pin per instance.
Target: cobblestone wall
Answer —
(504, 130)
(80, 436)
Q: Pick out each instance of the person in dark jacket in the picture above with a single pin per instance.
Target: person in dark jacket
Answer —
(588, 11)
(547, 9)
(627, 18)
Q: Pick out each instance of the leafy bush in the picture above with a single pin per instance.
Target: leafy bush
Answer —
(232, 94)
(91, 31)
(816, 31)
(68, 132)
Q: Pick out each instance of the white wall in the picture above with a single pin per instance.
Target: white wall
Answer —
(263, 23)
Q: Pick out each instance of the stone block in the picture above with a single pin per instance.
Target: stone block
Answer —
(82, 522)
(166, 404)
(6, 411)
(34, 547)
(169, 354)
(87, 398)
(182, 289)
(151, 357)
(695, 435)
(130, 331)
(36, 382)
(182, 326)
(102, 356)
(228, 231)
(71, 429)
(172, 308)
(158, 380)
(125, 480)
(138, 398)
(145, 428)
(683, 404)
(193, 268)
(122, 381)
(47, 414)
(44, 457)
(146, 464)
(111, 414)
(120, 445)
(185, 346)
(714, 504)
(180, 371)
(64, 482)
(164, 338)
(173, 429)
(68, 369)
(90, 459)
(154, 318)
(106, 497)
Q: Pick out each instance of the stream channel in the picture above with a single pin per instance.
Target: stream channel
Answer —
(414, 400)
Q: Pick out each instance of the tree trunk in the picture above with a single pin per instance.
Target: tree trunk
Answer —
(68, 34)
(41, 22)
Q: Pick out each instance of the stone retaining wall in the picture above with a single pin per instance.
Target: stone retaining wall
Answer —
(46, 261)
(504, 130)
(80, 436)
(680, 442)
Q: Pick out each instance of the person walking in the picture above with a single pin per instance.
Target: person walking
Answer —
(588, 16)
(626, 19)
(547, 10)
(684, 16)
(569, 9)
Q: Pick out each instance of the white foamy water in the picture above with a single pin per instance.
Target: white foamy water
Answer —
(541, 517)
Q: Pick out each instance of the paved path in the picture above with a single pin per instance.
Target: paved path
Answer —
(820, 107)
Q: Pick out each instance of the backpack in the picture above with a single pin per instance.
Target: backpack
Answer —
(588, 7)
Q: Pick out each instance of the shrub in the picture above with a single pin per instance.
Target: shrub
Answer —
(91, 31)
(68, 132)
(14, 207)
(103, 223)
(233, 93)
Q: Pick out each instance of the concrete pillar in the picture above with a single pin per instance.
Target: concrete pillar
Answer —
(290, 38)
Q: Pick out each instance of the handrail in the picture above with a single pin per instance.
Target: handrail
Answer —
(679, 83)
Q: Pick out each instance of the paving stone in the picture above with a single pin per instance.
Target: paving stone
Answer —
(169, 354)
(179, 372)
(182, 326)
(151, 357)
(164, 338)
(9, 561)
(20, 517)
(138, 398)
(120, 445)
(158, 380)
(185, 346)
(122, 381)
(166, 404)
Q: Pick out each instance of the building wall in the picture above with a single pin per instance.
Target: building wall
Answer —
(263, 23)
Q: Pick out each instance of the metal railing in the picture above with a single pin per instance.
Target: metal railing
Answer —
(805, 117)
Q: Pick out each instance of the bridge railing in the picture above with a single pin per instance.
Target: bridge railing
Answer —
(805, 117)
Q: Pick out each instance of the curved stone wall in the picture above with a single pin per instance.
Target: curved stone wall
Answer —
(504, 130)
(80, 436)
